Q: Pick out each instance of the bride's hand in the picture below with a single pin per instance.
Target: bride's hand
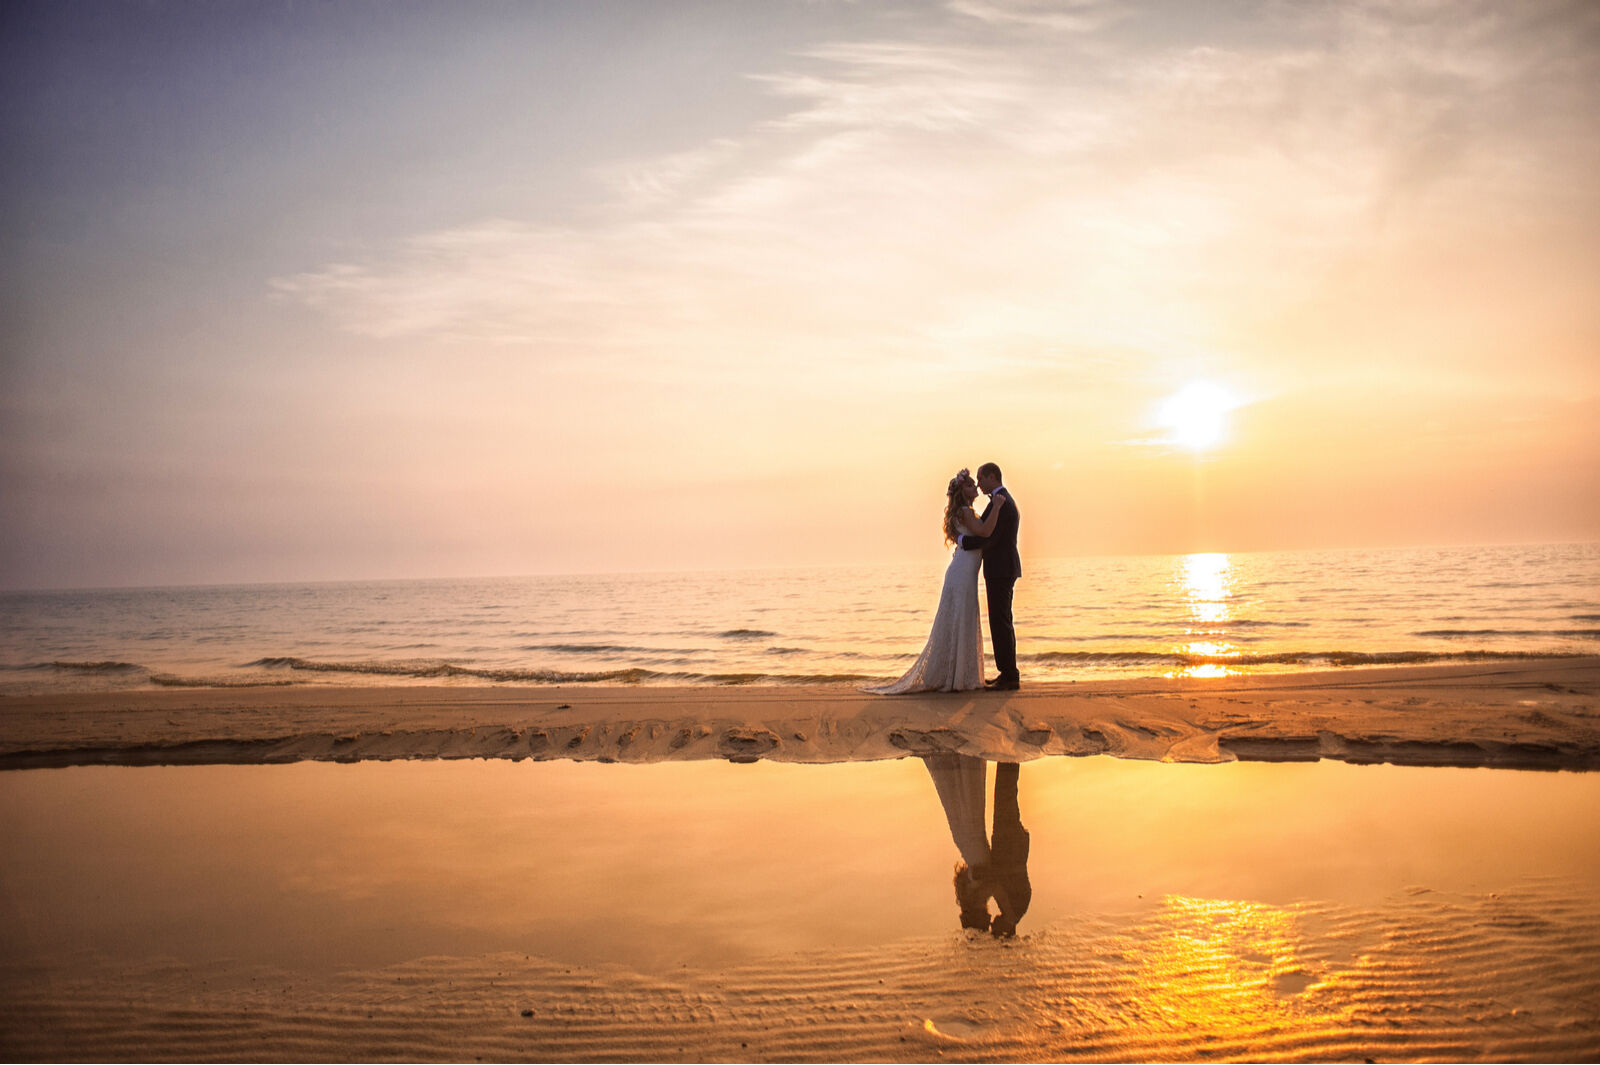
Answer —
(998, 500)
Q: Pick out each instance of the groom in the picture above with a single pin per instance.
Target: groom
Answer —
(1002, 565)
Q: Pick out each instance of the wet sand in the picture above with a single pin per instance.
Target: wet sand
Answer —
(174, 891)
(1539, 713)
(697, 910)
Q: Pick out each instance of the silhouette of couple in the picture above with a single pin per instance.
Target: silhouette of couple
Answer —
(952, 659)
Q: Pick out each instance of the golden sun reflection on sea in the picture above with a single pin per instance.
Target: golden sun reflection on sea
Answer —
(1206, 582)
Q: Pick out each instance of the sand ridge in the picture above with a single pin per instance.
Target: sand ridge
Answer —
(1424, 976)
(1540, 714)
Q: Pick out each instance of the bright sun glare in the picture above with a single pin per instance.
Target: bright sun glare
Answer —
(1196, 416)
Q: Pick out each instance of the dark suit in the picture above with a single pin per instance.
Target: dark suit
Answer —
(1002, 565)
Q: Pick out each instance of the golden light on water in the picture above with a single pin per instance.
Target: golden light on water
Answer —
(1205, 580)
(1228, 967)
(1203, 669)
(1208, 583)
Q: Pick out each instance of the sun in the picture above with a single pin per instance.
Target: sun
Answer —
(1196, 416)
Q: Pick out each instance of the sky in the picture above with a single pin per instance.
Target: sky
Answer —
(387, 289)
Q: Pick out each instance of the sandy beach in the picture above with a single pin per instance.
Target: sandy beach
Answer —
(1399, 892)
(466, 465)
(1534, 714)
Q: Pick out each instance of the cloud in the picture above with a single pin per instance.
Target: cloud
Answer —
(656, 182)
(1069, 16)
(902, 85)
(498, 280)
(1056, 182)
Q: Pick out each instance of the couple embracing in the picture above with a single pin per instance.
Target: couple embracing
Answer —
(952, 660)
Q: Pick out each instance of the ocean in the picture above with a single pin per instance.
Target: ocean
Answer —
(1077, 619)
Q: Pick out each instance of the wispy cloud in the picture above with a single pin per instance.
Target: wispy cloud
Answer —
(901, 85)
(1057, 16)
(1057, 181)
(711, 299)
(643, 184)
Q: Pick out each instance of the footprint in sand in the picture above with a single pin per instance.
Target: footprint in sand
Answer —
(934, 741)
(741, 744)
(1292, 983)
(949, 1030)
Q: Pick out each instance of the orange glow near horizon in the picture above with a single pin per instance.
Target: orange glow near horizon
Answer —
(1225, 286)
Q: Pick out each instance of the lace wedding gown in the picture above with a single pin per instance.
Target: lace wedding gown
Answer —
(952, 660)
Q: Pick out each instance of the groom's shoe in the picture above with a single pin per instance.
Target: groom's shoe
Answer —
(1002, 684)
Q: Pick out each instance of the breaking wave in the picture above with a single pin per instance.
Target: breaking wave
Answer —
(599, 649)
(170, 680)
(98, 667)
(1283, 658)
(1589, 634)
(636, 675)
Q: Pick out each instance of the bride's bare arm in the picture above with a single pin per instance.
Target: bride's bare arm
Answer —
(985, 528)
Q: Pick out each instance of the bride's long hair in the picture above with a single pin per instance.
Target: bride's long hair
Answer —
(955, 500)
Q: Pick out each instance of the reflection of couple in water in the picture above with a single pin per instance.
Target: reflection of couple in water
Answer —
(992, 865)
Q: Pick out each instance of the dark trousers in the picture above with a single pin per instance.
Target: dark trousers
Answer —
(1002, 633)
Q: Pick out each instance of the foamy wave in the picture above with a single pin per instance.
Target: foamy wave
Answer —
(436, 670)
(1284, 658)
(98, 667)
(170, 680)
(1590, 634)
(603, 649)
(1253, 623)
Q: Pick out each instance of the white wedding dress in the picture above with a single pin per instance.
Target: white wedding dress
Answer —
(952, 660)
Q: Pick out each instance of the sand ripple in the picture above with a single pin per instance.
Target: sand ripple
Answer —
(1426, 975)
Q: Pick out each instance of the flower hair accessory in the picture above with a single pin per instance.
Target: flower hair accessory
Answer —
(961, 479)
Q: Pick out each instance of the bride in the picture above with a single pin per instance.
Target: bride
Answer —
(952, 660)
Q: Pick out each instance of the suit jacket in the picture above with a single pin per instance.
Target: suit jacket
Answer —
(1001, 559)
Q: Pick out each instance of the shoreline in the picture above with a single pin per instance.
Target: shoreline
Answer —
(1533, 714)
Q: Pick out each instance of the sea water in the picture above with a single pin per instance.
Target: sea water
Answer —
(1077, 619)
